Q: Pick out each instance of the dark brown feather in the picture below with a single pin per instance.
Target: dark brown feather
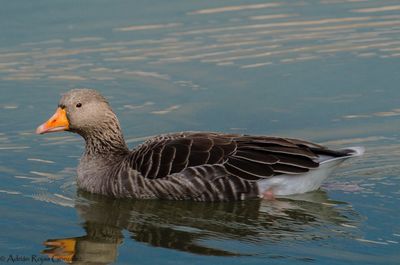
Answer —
(239, 173)
(295, 160)
(202, 144)
(156, 163)
(247, 157)
(257, 156)
(265, 141)
(283, 150)
(299, 142)
(198, 158)
(287, 169)
(256, 169)
(167, 154)
(216, 155)
(182, 151)
(178, 167)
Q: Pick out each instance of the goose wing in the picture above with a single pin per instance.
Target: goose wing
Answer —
(249, 158)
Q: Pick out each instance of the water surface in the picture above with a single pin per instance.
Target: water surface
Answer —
(326, 71)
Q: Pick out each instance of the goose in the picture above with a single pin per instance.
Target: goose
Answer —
(199, 166)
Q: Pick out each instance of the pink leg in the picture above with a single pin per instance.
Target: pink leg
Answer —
(268, 195)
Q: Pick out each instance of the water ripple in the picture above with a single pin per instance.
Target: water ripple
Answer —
(285, 38)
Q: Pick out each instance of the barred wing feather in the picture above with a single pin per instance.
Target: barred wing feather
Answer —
(246, 157)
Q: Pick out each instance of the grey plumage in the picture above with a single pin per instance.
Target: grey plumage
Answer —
(201, 166)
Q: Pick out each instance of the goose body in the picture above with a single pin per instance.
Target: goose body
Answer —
(200, 166)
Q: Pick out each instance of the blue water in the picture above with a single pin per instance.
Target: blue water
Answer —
(326, 71)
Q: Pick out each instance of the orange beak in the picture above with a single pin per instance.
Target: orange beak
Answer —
(58, 122)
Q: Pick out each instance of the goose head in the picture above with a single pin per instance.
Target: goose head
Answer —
(86, 112)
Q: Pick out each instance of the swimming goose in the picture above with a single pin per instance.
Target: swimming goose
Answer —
(200, 166)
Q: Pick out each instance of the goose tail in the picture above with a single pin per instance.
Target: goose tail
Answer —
(347, 152)
(355, 151)
(282, 185)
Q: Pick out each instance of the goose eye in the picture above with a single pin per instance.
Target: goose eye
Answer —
(79, 105)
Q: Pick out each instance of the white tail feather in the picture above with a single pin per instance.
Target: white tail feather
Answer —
(282, 185)
(355, 151)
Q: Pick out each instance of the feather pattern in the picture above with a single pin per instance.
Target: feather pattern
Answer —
(212, 166)
(201, 166)
(255, 157)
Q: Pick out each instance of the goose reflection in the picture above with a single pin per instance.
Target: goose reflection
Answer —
(188, 226)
